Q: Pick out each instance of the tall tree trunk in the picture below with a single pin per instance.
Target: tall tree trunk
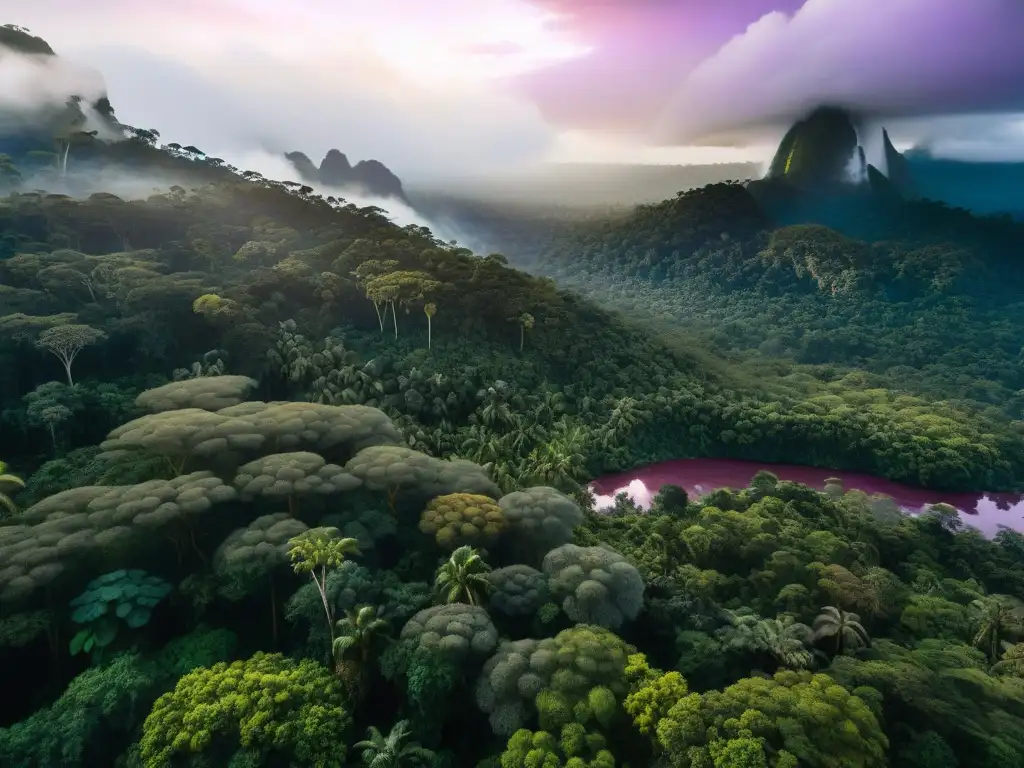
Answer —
(428, 331)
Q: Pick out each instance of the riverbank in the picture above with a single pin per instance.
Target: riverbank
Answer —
(984, 511)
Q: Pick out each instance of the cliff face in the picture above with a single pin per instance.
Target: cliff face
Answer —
(820, 151)
(307, 171)
(817, 150)
(898, 169)
(335, 171)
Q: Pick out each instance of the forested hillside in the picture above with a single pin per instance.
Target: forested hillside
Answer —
(924, 298)
(326, 301)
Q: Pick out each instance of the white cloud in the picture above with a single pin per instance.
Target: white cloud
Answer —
(32, 81)
(317, 76)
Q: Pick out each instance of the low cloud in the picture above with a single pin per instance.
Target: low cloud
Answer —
(274, 166)
(970, 137)
(309, 78)
(30, 82)
(261, 102)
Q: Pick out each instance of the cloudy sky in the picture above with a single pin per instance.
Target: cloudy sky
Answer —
(453, 86)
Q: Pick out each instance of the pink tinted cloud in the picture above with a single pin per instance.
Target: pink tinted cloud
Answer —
(689, 69)
(640, 49)
(883, 58)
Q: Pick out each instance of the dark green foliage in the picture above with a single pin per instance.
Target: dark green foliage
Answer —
(472, 392)
(670, 500)
(428, 678)
(351, 585)
(127, 596)
(86, 466)
(97, 715)
(928, 750)
(22, 628)
(943, 686)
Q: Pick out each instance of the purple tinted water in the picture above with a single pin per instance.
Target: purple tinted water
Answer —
(985, 511)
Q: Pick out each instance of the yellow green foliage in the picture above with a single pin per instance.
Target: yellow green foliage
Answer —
(320, 548)
(576, 748)
(268, 705)
(7, 479)
(798, 718)
(209, 303)
(456, 519)
(653, 700)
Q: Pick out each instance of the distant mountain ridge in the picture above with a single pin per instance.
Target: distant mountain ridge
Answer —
(822, 154)
(47, 136)
(336, 172)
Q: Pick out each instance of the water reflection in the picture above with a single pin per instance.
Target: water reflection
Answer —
(985, 511)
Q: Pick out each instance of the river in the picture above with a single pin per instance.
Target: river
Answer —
(985, 511)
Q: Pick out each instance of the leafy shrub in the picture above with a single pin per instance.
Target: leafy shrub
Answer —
(126, 595)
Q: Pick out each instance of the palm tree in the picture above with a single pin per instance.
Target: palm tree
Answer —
(996, 616)
(463, 579)
(352, 649)
(7, 479)
(358, 633)
(561, 462)
(380, 752)
(495, 412)
(525, 323)
(1012, 663)
(844, 626)
(783, 639)
(786, 641)
(738, 634)
(482, 446)
(315, 552)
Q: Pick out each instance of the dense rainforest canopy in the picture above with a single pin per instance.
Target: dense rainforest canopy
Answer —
(922, 297)
(289, 485)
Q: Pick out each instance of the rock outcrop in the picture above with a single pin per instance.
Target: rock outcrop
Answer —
(823, 151)
(368, 176)
(898, 169)
(817, 151)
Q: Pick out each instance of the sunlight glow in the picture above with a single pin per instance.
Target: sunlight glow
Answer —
(593, 147)
(434, 45)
